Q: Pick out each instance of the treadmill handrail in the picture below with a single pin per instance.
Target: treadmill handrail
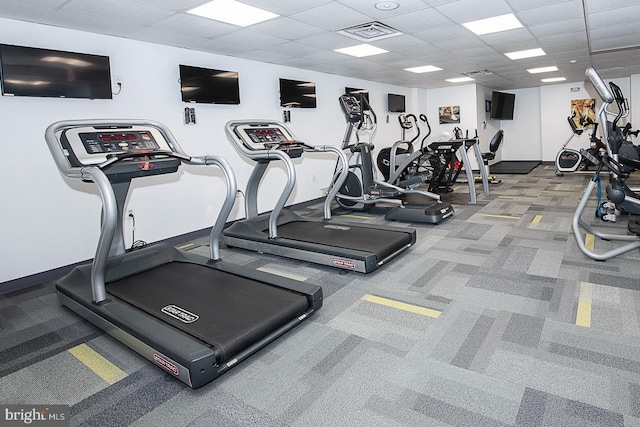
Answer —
(95, 174)
(276, 154)
(266, 154)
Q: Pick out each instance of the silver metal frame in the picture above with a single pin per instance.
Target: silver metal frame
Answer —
(95, 174)
(578, 224)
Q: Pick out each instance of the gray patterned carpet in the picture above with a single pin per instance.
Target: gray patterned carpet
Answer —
(493, 318)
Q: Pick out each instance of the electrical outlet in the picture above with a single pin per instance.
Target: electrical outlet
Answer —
(117, 80)
(131, 213)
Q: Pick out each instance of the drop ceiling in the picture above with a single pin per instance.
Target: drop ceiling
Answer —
(575, 34)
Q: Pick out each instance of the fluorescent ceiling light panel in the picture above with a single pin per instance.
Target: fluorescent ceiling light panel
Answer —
(423, 69)
(553, 79)
(232, 12)
(460, 80)
(522, 54)
(361, 50)
(494, 25)
(542, 69)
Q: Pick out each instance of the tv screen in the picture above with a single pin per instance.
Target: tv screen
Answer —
(30, 71)
(395, 103)
(297, 94)
(502, 105)
(356, 92)
(209, 86)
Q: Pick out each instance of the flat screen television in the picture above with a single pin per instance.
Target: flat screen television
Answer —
(502, 105)
(209, 86)
(395, 103)
(357, 92)
(30, 71)
(297, 94)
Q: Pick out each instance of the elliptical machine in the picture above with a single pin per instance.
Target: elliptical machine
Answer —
(361, 190)
(569, 159)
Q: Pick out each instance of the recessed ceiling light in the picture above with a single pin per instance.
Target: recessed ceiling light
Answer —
(361, 50)
(521, 54)
(232, 12)
(542, 69)
(386, 5)
(460, 80)
(553, 79)
(494, 25)
(423, 69)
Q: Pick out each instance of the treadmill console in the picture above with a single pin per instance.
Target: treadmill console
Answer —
(92, 145)
(272, 136)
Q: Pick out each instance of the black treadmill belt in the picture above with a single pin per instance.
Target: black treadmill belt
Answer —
(382, 243)
(232, 312)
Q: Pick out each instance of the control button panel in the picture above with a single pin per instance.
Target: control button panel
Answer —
(265, 135)
(116, 142)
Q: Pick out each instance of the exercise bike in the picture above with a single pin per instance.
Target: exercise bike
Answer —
(361, 190)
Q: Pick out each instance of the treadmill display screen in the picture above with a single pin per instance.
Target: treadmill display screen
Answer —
(263, 135)
(117, 142)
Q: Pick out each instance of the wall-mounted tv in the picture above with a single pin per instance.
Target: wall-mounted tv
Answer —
(209, 86)
(30, 71)
(357, 92)
(502, 105)
(395, 103)
(297, 94)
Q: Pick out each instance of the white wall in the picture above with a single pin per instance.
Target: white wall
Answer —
(556, 107)
(49, 222)
(464, 96)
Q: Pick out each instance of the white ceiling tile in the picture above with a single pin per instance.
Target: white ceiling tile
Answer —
(531, 4)
(329, 40)
(614, 17)
(175, 5)
(286, 7)
(123, 10)
(558, 27)
(600, 5)
(287, 28)
(471, 10)
(94, 24)
(506, 37)
(367, 7)
(552, 13)
(14, 9)
(246, 39)
(195, 26)
(418, 20)
(334, 16)
(291, 49)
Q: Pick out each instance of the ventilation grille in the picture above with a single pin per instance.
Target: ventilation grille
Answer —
(477, 73)
(370, 32)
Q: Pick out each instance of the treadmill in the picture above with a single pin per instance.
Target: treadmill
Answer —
(194, 317)
(345, 245)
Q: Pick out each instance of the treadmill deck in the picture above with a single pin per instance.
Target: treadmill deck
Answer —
(219, 308)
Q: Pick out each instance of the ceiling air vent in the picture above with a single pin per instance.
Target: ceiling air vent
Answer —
(371, 31)
(477, 73)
